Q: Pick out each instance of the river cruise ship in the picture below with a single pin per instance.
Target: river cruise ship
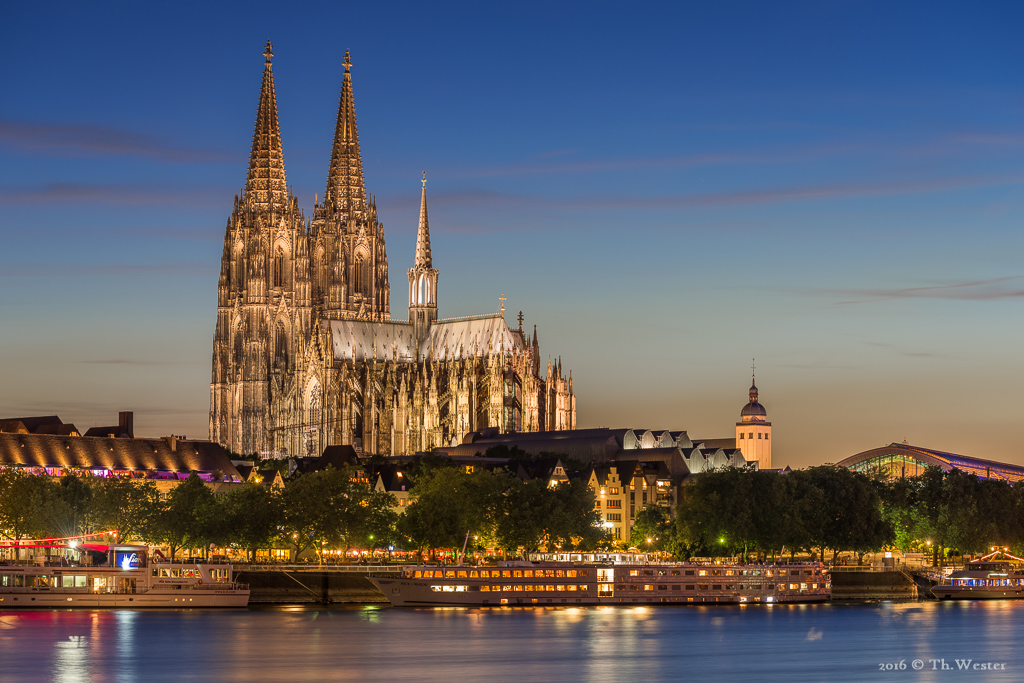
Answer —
(127, 578)
(983, 581)
(570, 583)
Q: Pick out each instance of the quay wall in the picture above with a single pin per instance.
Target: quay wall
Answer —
(885, 585)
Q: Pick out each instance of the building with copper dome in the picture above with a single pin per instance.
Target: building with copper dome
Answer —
(754, 431)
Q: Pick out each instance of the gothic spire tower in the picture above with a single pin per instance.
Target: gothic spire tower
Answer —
(422, 277)
(263, 298)
(349, 254)
(265, 186)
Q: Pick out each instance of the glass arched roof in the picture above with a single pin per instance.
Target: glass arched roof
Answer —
(905, 460)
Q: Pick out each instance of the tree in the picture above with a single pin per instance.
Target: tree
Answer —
(189, 516)
(652, 528)
(252, 516)
(30, 505)
(77, 497)
(846, 513)
(332, 508)
(445, 507)
(523, 515)
(573, 520)
(130, 506)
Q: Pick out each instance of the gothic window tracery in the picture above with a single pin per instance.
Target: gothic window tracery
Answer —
(361, 273)
(278, 268)
(239, 352)
(281, 346)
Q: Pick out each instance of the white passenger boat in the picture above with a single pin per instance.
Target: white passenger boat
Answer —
(568, 583)
(983, 580)
(126, 579)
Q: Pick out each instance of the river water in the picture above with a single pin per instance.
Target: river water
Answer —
(830, 642)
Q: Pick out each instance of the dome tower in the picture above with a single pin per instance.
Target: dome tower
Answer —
(754, 431)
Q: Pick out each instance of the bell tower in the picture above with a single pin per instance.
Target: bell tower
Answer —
(422, 277)
(754, 431)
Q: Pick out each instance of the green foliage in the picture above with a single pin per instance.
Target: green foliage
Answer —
(131, 507)
(495, 507)
(448, 503)
(652, 522)
(251, 516)
(331, 508)
(31, 506)
(189, 518)
(736, 510)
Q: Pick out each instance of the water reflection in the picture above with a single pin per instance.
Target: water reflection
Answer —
(790, 643)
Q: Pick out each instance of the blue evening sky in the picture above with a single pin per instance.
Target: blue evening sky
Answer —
(665, 189)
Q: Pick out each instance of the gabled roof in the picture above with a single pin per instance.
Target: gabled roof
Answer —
(448, 339)
(33, 424)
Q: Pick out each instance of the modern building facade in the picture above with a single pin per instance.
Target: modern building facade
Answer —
(305, 352)
(899, 460)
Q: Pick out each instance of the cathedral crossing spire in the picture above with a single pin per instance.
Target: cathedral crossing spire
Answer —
(345, 177)
(423, 259)
(266, 184)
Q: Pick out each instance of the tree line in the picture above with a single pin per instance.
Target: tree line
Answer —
(325, 510)
(317, 510)
(829, 509)
(753, 514)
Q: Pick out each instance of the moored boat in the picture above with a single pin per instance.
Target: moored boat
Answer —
(127, 578)
(983, 579)
(568, 583)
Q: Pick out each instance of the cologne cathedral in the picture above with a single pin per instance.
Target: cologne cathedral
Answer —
(305, 353)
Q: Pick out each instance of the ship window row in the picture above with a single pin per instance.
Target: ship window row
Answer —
(987, 582)
(707, 586)
(499, 574)
(531, 588)
(81, 582)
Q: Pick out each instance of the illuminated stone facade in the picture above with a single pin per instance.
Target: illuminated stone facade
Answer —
(305, 352)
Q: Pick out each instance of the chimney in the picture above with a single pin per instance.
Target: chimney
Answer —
(125, 420)
(172, 441)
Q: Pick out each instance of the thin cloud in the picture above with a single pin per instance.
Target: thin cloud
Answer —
(945, 144)
(49, 270)
(120, 195)
(86, 140)
(980, 290)
(819, 366)
(775, 195)
(136, 362)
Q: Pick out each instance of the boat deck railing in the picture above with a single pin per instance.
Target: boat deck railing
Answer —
(342, 568)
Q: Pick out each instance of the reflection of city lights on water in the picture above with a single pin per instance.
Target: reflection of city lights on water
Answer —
(71, 660)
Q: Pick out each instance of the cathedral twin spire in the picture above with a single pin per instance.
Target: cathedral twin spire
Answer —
(345, 177)
(266, 184)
